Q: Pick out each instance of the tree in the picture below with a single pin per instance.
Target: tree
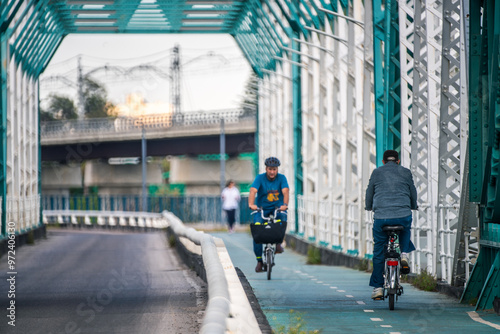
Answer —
(96, 100)
(250, 99)
(46, 116)
(60, 107)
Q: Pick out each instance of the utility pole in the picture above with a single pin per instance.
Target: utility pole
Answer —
(144, 170)
(175, 83)
(222, 155)
(81, 99)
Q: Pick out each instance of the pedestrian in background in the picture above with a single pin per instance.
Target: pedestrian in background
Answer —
(230, 202)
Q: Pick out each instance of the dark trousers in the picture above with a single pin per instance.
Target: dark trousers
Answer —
(257, 218)
(231, 217)
(380, 240)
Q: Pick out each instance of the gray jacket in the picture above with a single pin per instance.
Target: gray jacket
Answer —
(391, 192)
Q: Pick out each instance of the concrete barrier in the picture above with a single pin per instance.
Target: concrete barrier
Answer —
(228, 309)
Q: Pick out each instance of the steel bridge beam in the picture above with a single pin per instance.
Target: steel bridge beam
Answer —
(484, 113)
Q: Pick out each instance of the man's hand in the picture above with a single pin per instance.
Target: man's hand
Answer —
(253, 207)
(283, 207)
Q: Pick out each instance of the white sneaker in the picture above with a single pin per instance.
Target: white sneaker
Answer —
(378, 293)
(405, 264)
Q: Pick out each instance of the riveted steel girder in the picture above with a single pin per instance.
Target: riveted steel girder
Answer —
(387, 75)
(484, 134)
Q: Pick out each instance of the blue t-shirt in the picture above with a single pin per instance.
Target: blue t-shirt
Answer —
(269, 193)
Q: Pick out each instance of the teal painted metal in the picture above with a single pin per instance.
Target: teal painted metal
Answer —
(3, 134)
(297, 125)
(476, 73)
(387, 76)
(258, 40)
(161, 16)
(248, 56)
(484, 141)
(8, 10)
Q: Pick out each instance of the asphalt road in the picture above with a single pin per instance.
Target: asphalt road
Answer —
(100, 282)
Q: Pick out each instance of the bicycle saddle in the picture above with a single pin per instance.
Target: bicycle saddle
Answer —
(393, 228)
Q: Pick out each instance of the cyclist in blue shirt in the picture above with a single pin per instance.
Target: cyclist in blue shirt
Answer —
(272, 192)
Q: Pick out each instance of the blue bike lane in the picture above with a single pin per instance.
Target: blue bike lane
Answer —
(337, 299)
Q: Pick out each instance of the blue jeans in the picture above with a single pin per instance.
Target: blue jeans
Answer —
(257, 218)
(380, 240)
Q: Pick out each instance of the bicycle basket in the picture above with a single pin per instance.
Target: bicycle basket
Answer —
(268, 233)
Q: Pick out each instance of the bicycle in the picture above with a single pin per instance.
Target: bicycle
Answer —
(269, 233)
(392, 268)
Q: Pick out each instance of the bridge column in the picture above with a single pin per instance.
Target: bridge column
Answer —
(484, 129)
(3, 134)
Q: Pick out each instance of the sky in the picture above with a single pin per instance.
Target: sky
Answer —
(214, 70)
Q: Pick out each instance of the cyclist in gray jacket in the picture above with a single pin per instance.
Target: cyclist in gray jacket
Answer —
(391, 195)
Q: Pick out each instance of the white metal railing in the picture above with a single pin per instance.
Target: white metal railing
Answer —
(105, 218)
(24, 211)
(340, 227)
(103, 126)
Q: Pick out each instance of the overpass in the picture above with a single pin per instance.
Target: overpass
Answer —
(191, 134)
(339, 83)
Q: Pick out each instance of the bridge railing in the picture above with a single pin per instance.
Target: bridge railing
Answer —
(106, 126)
(341, 227)
(104, 218)
(190, 209)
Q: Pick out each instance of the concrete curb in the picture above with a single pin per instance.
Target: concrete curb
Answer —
(228, 309)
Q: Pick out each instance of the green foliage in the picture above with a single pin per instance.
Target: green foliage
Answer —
(59, 108)
(297, 325)
(46, 116)
(425, 281)
(313, 255)
(96, 100)
(30, 238)
(363, 265)
(171, 240)
(250, 98)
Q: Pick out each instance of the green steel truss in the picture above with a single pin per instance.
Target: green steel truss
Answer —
(387, 76)
(484, 144)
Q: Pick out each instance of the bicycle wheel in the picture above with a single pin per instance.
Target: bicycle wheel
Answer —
(269, 257)
(391, 301)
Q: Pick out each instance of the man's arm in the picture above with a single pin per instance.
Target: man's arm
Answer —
(251, 199)
(413, 194)
(286, 198)
(369, 195)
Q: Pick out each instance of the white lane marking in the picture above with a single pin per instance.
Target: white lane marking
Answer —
(349, 296)
(314, 279)
(333, 287)
(386, 326)
(474, 316)
(340, 290)
(298, 271)
(360, 302)
(376, 319)
(369, 310)
(319, 282)
(394, 332)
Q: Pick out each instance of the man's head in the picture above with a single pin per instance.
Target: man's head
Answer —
(390, 155)
(272, 165)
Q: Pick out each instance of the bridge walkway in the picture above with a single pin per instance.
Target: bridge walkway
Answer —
(337, 299)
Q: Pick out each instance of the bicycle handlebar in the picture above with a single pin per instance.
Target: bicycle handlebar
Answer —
(267, 218)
